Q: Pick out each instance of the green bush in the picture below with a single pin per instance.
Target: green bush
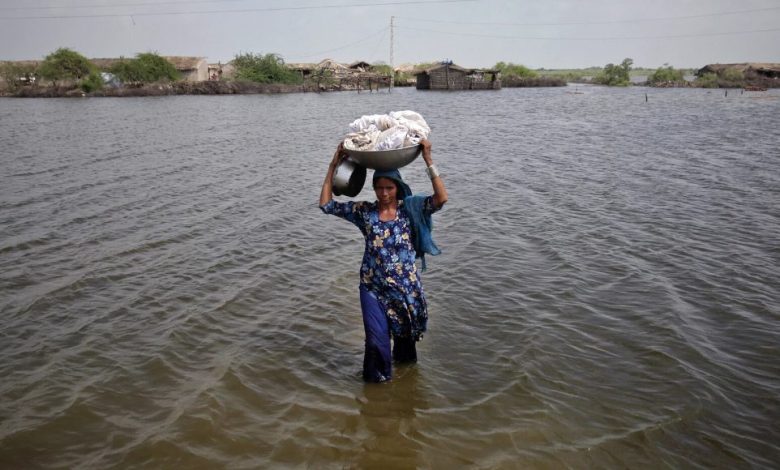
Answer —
(65, 64)
(708, 80)
(268, 68)
(615, 75)
(147, 67)
(93, 82)
(514, 70)
(666, 74)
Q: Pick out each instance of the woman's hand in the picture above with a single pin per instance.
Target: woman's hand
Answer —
(327, 186)
(439, 191)
(338, 156)
(426, 152)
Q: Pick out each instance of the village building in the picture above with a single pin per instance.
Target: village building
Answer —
(761, 69)
(361, 66)
(192, 69)
(448, 76)
(220, 71)
(357, 75)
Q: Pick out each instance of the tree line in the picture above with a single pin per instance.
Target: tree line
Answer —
(65, 66)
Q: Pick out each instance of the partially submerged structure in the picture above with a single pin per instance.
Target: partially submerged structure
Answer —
(754, 74)
(768, 70)
(329, 73)
(448, 76)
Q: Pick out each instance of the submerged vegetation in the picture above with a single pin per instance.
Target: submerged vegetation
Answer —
(666, 75)
(615, 75)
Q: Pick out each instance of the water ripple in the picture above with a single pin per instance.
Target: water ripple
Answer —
(607, 295)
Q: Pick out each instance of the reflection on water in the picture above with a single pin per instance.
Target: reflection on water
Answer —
(171, 296)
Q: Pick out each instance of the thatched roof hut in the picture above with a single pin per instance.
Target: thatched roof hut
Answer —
(448, 76)
(769, 70)
(360, 66)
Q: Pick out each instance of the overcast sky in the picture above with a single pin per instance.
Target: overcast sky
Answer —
(476, 33)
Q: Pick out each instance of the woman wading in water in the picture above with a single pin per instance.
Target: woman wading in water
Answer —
(397, 229)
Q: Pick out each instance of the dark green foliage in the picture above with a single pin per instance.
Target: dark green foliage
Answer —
(93, 82)
(616, 75)
(514, 70)
(708, 80)
(268, 68)
(65, 64)
(147, 67)
(665, 75)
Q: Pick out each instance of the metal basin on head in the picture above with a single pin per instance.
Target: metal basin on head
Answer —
(385, 159)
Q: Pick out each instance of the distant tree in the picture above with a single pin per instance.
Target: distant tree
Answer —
(147, 67)
(382, 69)
(65, 64)
(666, 74)
(17, 75)
(616, 75)
(268, 68)
(509, 70)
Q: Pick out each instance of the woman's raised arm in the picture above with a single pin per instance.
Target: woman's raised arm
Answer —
(326, 195)
(439, 191)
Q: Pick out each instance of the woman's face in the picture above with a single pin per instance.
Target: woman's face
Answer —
(385, 190)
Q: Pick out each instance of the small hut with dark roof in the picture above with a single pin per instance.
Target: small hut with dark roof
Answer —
(448, 76)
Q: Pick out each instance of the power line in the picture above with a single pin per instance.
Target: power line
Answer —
(379, 42)
(381, 31)
(573, 23)
(103, 5)
(604, 38)
(243, 10)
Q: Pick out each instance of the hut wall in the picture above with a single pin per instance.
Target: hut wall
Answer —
(485, 85)
(423, 81)
(197, 72)
(446, 78)
(443, 78)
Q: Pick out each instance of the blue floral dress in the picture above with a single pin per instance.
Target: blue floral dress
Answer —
(388, 269)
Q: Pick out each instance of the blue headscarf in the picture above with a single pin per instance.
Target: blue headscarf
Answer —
(404, 190)
(421, 223)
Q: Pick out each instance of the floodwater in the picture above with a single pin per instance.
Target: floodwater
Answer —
(607, 297)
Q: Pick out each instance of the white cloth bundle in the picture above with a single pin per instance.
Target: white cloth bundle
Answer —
(394, 130)
(392, 138)
(377, 121)
(362, 140)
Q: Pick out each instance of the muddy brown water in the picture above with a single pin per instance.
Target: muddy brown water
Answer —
(607, 296)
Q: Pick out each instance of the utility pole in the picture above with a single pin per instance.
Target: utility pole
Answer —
(392, 68)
